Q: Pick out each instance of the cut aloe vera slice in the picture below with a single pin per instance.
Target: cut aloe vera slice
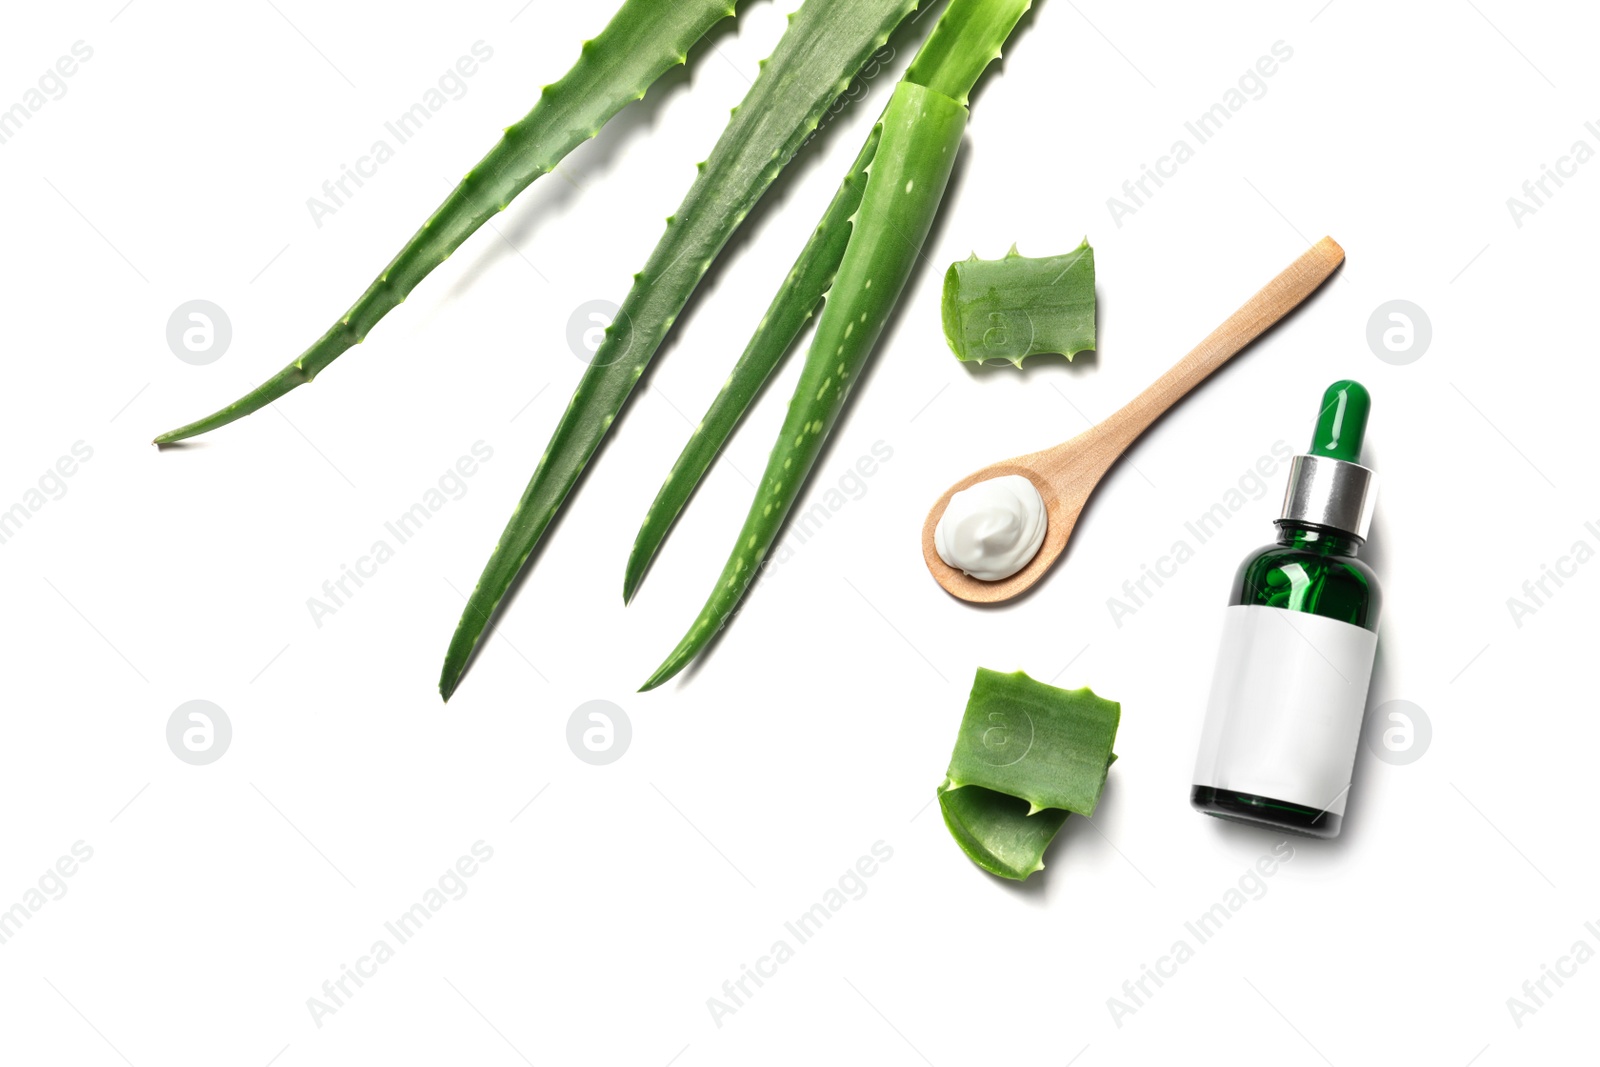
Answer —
(1049, 746)
(996, 831)
(1027, 755)
(1015, 307)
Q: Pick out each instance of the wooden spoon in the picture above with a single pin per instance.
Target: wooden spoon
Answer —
(1066, 474)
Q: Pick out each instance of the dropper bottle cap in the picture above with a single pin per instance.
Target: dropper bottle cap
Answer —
(1328, 486)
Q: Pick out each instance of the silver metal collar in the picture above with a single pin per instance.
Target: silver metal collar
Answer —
(1330, 492)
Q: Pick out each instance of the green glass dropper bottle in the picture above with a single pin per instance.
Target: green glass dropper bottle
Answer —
(1284, 716)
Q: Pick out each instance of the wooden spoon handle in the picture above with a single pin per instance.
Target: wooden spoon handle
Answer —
(1275, 300)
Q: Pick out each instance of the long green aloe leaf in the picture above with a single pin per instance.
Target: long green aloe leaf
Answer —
(920, 134)
(641, 42)
(826, 43)
(791, 309)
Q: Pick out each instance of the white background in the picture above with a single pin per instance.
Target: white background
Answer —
(220, 898)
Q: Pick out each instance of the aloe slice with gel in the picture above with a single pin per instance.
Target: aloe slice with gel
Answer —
(1027, 755)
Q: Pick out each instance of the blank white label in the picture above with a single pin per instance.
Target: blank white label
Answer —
(1284, 717)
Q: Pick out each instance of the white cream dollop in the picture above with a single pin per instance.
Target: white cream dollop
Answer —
(992, 529)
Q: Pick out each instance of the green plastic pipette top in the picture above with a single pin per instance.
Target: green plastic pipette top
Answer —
(1342, 421)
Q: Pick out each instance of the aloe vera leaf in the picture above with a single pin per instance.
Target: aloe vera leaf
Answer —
(803, 289)
(1050, 747)
(996, 831)
(643, 40)
(966, 39)
(886, 239)
(826, 42)
(921, 132)
(1015, 307)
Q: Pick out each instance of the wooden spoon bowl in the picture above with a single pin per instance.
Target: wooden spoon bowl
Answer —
(1067, 474)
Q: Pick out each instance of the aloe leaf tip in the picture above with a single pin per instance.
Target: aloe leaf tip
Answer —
(643, 39)
(668, 670)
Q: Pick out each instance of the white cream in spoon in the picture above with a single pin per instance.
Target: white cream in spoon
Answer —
(992, 529)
